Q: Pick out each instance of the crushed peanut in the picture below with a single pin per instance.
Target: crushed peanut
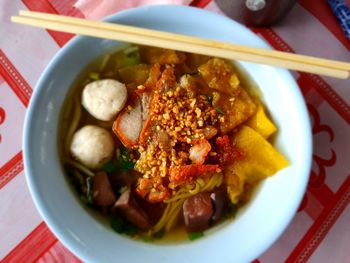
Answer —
(184, 118)
(141, 87)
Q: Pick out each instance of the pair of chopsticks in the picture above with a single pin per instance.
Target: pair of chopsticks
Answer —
(332, 68)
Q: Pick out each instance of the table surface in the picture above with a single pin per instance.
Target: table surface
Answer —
(319, 232)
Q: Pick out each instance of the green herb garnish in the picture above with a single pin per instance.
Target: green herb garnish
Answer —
(94, 76)
(131, 56)
(147, 239)
(123, 227)
(129, 229)
(124, 160)
(209, 98)
(195, 235)
(131, 50)
(117, 224)
(89, 194)
(231, 211)
(109, 168)
(159, 234)
(219, 110)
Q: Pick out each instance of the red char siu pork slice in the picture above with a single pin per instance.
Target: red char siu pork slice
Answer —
(132, 211)
(128, 124)
(146, 98)
(102, 191)
(133, 118)
(198, 211)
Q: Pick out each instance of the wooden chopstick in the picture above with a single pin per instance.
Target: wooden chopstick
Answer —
(149, 37)
(184, 43)
(175, 37)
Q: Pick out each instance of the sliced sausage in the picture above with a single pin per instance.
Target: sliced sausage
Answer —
(197, 211)
(103, 194)
(131, 210)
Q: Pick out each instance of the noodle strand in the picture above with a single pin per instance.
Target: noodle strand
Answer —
(74, 124)
(80, 167)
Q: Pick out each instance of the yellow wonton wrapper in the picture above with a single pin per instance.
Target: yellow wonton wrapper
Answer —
(238, 111)
(261, 160)
(261, 123)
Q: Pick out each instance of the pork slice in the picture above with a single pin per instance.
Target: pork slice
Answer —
(145, 104)
(103, 194)
(197, 212)
(129, 123)
(131, 210)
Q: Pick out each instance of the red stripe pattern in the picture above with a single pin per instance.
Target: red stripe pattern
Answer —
(45, 6)
(2, 115)
(15, 80)
(322, 225)
(333, 204)
(58, 253)
(11, 169)
(33, 246)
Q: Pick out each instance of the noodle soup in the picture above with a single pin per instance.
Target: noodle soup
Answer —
(160, 141)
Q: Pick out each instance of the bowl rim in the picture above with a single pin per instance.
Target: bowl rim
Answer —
(30, 114)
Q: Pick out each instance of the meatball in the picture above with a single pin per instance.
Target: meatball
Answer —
(103, 99)
(92, 146)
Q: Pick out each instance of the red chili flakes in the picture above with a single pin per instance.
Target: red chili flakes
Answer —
(186, 173)
(226, 151)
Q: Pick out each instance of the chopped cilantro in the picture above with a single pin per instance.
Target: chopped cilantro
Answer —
(209, 98)
(159, 234)
(219, 110)
(231, 211)
(121, 226)
(117, 224)
(195, 235)
(130, 50)
(83, 198)
(132, 59)
(94, 76)
(109, 168)
(129, 229)
(147, 239)
(89, 194)
(131, 56)
(124, 160)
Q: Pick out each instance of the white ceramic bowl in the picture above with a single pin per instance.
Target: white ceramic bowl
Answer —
(255, 228)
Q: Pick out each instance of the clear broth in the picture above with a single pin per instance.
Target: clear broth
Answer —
(178, 233)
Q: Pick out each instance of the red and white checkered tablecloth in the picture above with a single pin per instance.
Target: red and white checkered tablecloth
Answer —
(320, 231)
